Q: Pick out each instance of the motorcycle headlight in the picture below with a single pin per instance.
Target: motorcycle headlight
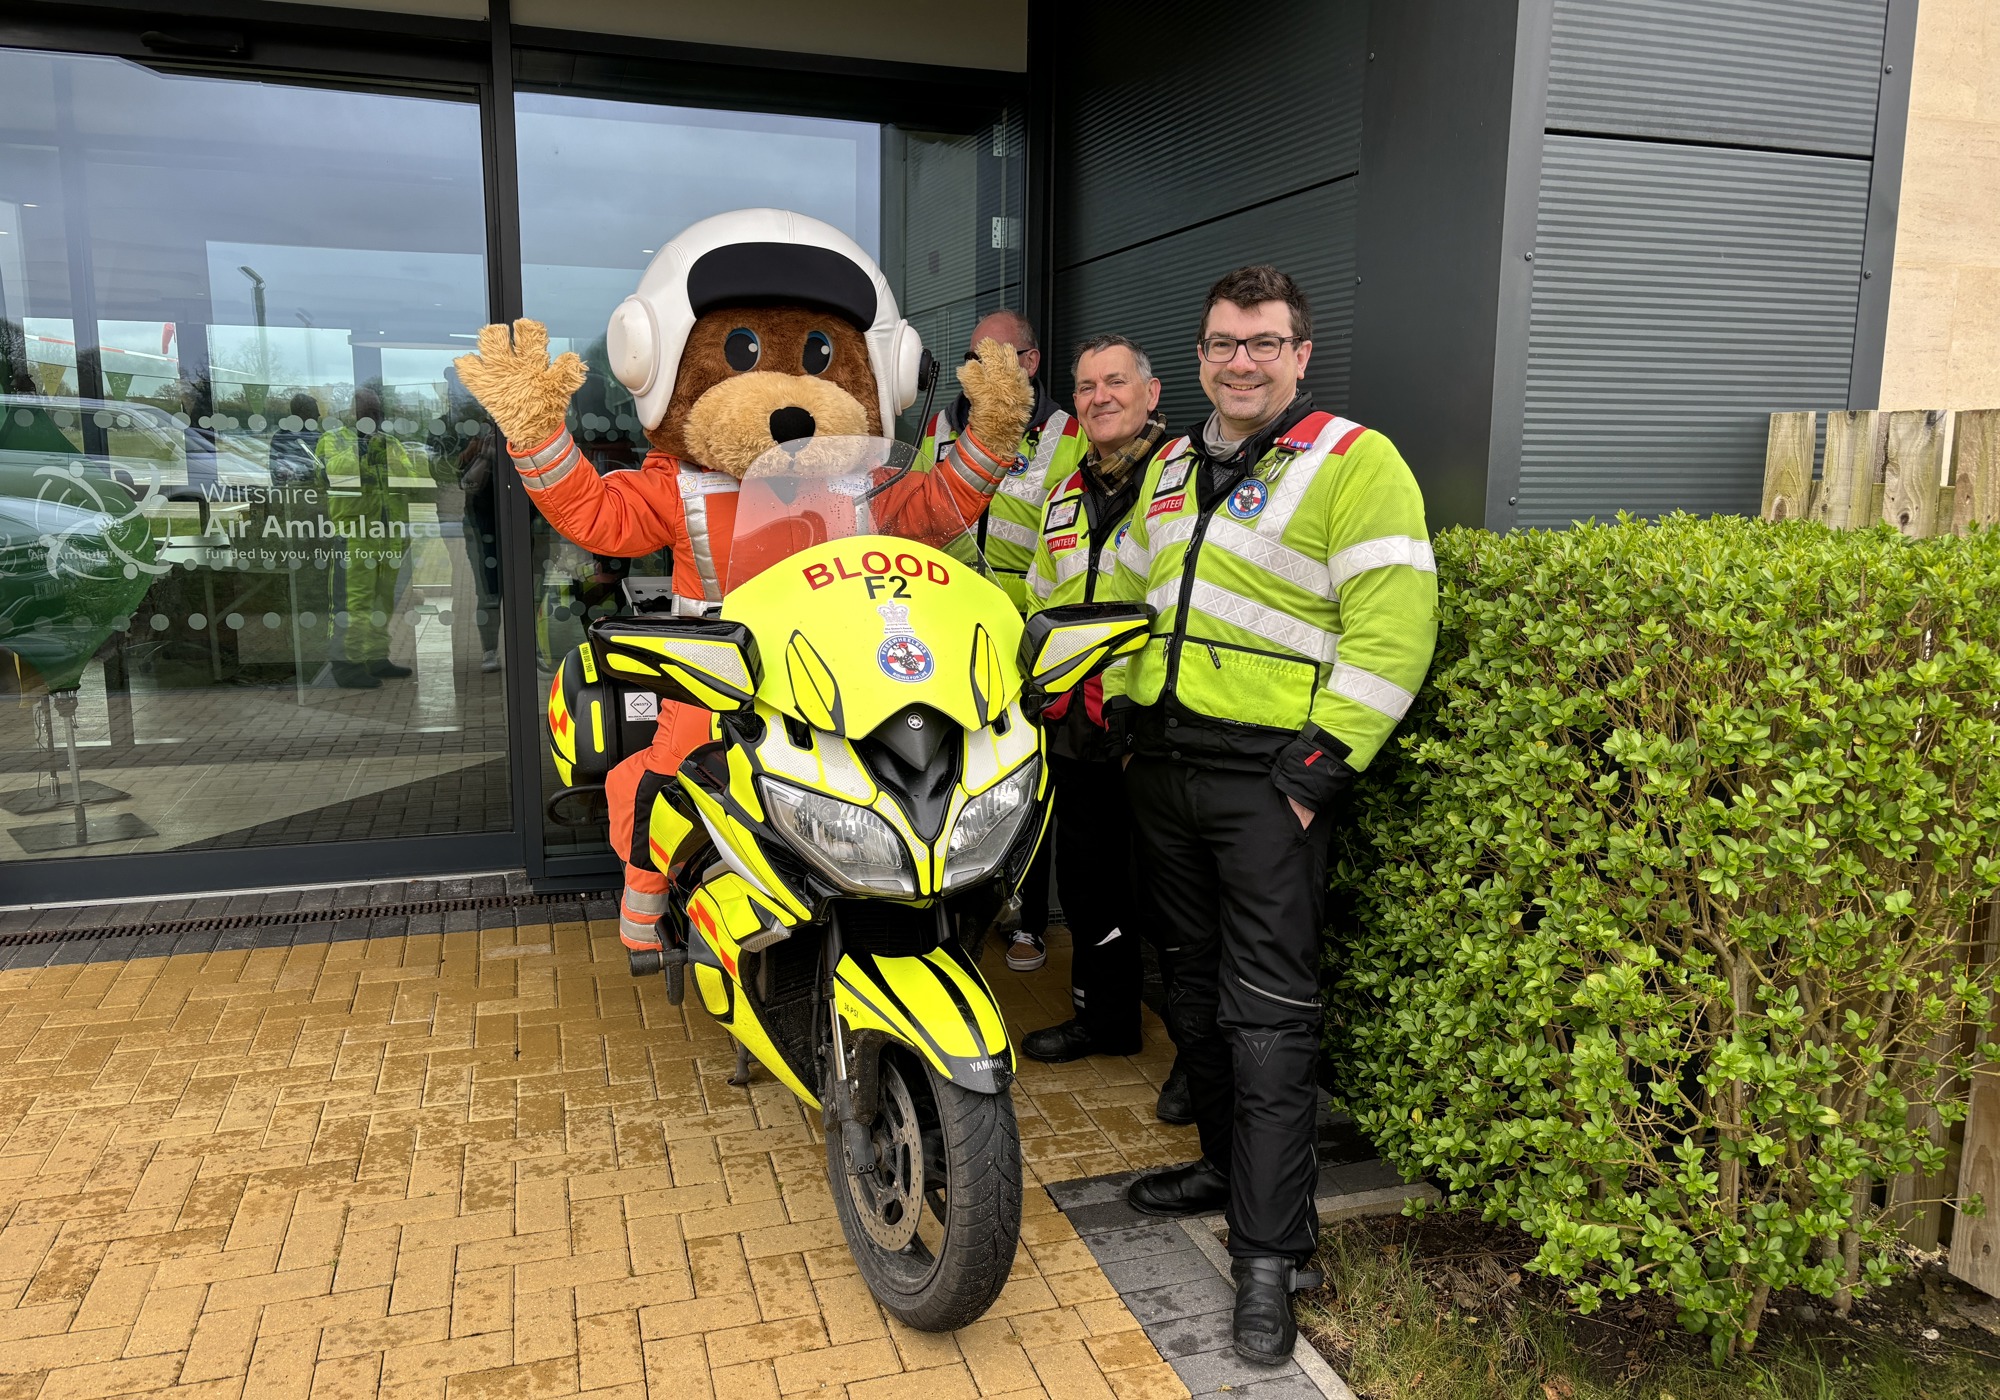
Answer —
(987, 826)
(850, 845)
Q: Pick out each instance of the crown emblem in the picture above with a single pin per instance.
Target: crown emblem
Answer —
(895, 618)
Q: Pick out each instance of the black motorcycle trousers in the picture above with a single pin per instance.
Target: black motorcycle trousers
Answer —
(1094, 879)
(1239, 889)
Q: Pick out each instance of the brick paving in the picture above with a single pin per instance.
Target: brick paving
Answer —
(488, 1162)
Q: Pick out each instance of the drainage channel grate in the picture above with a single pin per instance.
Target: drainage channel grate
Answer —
(296, 918)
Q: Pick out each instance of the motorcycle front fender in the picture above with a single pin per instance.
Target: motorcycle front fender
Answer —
(938, 1005)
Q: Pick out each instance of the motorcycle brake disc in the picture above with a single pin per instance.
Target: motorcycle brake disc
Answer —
(890, 1199)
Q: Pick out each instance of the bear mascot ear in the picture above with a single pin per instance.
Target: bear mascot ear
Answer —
(632, 343)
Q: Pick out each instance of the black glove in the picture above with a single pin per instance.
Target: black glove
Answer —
(1313, 770)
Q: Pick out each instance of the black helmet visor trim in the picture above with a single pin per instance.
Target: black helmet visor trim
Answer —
(754, 274)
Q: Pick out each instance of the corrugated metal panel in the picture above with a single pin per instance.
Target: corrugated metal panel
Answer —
(1169, 116)
(1790, 74)
(1153, 293)
(1681, 294)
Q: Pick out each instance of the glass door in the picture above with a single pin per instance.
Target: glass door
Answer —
(249, 581)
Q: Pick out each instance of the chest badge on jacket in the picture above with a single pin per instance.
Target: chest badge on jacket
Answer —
(1247, 501)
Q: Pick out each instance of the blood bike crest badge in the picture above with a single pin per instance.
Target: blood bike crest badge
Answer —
(1246, 502)
(902, 655)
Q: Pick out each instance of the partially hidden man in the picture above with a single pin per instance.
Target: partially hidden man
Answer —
(1050, 448)
(750, 328)
(1285, 552)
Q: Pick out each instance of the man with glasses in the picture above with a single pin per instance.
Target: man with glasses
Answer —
(1007, 534)
(1285, 553)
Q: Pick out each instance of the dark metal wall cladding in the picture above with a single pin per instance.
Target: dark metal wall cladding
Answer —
(1153, 293)
(1681, 295)
(1169, 115)
(1789, 74)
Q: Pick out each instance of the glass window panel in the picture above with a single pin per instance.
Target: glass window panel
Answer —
(246, 535)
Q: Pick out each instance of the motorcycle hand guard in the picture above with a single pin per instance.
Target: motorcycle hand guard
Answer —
(704, 662)
(1065, 646)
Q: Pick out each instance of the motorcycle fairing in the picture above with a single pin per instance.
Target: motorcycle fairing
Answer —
(936, 1004)
(721, 914)
(871, 623)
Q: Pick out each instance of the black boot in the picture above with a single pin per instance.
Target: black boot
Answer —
(1176, 1103)
(1263, 1328)
(1196, 1189)
(351, 675)
(388, 669)
(1057, 1045)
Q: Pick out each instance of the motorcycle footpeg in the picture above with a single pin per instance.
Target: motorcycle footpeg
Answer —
(644, 962)
(676, 983)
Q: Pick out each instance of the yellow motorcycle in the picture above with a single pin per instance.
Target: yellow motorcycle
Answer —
(874, 790)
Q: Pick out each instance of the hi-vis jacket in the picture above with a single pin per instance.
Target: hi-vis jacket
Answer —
(1304, 598)
(359, 485)
(1074, 563)
(668, 503)
(1050, 450)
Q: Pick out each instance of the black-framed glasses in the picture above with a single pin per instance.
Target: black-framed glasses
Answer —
(1221, 349)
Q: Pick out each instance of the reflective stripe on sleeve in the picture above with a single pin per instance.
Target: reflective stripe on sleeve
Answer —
(1359, 559)
(557, 471)
(1267, 622)
(1367, 688)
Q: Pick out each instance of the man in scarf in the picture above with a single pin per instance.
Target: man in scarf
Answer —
(1117, 402)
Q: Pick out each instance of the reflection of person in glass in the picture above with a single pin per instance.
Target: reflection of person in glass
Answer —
(292, 446)
(361, 463)
(467, 448)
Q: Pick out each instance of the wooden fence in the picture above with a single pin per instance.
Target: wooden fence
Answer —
(1926, 472)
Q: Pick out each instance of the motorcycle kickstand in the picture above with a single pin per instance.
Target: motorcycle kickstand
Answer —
(742, 1073)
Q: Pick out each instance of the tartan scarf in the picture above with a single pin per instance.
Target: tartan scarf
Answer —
(1111, 473)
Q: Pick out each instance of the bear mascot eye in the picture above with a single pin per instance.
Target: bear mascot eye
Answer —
(818, 353)
(742, 350)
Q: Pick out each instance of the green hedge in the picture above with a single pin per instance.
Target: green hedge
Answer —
(1658, 926)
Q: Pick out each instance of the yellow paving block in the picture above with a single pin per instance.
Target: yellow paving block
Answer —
(487, 1164)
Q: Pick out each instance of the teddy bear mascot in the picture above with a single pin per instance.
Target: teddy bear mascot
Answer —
(751, 328)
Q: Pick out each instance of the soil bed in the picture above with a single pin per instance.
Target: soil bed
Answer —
(1442, 1306)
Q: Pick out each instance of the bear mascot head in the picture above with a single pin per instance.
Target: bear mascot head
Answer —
(750, 328)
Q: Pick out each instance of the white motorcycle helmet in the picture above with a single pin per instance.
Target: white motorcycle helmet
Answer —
(752, 256)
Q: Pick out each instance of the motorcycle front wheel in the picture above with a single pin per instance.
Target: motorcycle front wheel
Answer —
(934, 1226)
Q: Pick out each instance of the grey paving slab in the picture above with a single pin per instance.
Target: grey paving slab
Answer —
(1190, 1299)
(1090, 1190)
(1136, 1241)
(1188, 1336)
(1157, 1270)
(1211, 1370)
(1108, 1215)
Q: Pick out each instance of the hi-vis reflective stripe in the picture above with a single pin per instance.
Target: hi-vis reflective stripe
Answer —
(1367, 688)
(1039, 583)
(1359, 559)
(1273, 626)
(1266, 553)
(1135, 556)
(1077, 560)
(696, 487)
(1008, 530)
(1032, 485)
(548, 464)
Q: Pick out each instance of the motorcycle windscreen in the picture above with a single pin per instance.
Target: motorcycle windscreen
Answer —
(814, 490)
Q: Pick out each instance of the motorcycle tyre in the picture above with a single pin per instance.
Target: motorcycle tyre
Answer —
(982, 1229)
